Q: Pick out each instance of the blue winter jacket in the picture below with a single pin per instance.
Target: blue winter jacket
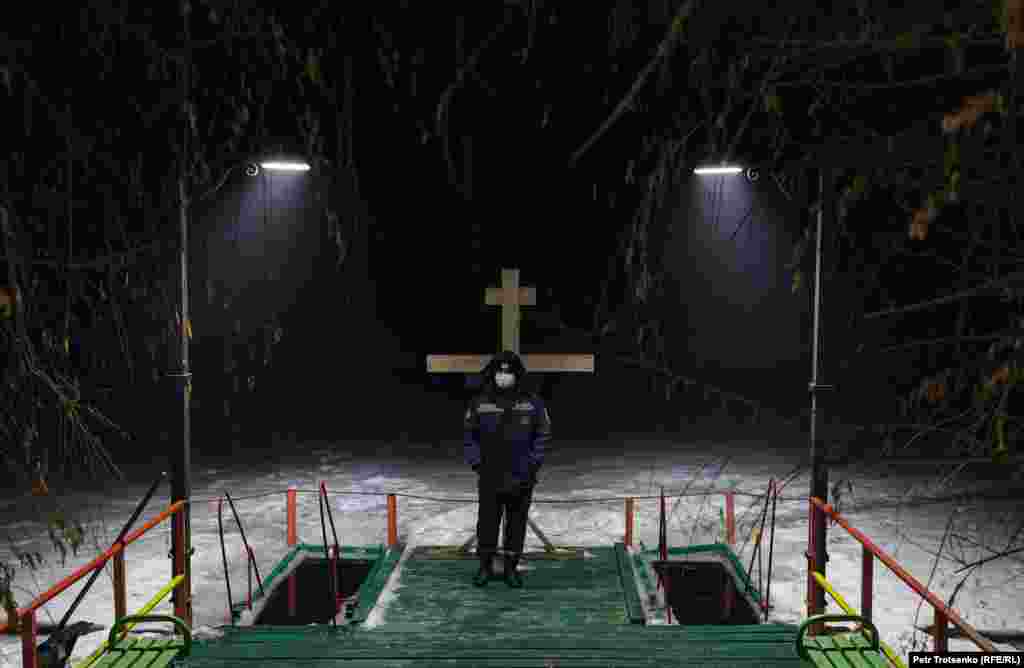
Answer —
(507, 437)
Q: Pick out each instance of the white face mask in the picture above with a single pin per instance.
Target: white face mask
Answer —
(504, 380)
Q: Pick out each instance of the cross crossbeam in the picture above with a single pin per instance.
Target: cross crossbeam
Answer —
(510, 296)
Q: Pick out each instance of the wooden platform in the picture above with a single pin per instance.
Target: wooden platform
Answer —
(571, 611)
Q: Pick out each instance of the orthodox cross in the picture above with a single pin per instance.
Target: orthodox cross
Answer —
(510, 296)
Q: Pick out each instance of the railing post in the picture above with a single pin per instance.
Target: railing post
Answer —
(867, 574)
(29, 656)
(812, 566)
(628, 540)
(392, 521)
(181, 606)
(293, 534)
(730, 517)
(120, 595)
(248, 563)
(941, 638)
(293, 539)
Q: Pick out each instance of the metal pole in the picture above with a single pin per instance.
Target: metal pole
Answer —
(180, 458)
(819, 472)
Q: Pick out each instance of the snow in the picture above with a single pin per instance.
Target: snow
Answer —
(910, 531)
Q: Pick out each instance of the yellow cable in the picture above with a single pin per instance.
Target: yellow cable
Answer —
(144, 610)
(848, 609)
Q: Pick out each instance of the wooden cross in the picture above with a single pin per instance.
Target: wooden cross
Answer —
(510, 297)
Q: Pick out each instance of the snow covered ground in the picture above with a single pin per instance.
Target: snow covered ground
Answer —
(880, 505)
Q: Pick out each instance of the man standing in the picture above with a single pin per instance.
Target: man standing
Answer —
(506, 431)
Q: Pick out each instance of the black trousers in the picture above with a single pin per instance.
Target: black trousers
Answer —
(514, 503)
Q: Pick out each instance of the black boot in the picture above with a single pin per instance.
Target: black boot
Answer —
(512, 577)
(486, 571)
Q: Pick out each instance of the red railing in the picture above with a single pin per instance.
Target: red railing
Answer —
(27, 616)
(730, 518)
(392, 510)
(943, 613)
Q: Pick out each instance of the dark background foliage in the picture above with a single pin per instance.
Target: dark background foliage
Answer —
(450, 142)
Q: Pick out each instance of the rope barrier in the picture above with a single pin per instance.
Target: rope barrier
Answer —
(615, 499)
(619, 499)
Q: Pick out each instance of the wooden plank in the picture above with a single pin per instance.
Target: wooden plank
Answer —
(558, 363)
(685, 633)
(574, 610)
(164, 658)
(503, 662)
(843, 650)
(604, 635)
(375, 582)
(556, 594)
(857, 651)
(634, 608)
(527, 296)
(449, 638)
(510, 310)
(510, 296)
(534, 362)
(416, 632)
(819, 658)
(504, 648)
(457, 363)
(140, 651)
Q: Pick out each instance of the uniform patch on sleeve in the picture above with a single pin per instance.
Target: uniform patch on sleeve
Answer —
(524, 406)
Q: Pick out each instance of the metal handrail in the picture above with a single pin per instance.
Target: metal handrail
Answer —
(101, 560)
(27, 616)
(942, 611)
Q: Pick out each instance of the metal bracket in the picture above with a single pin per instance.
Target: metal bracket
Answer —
(814, 387)
(810, 557)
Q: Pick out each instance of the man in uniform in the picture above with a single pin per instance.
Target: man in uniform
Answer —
(506, 431)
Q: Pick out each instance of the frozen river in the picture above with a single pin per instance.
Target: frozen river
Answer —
(899, 508)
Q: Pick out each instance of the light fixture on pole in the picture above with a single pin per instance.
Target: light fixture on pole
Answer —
(285, 166)
(724, 169)
(181, 463)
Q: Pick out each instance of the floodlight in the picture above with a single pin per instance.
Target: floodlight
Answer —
(717, 170)
(286, 166)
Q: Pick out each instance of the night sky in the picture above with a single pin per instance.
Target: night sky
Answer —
(424, 237)
(367, 326)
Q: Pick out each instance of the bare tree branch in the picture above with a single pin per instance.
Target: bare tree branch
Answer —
(909, 83)
(121, 258)
(664, 51)
(443, 104)
(1002, 554)
(1005, 282)
(461, 74)
(953, 339)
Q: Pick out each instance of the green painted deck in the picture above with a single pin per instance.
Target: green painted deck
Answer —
(571, 611)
